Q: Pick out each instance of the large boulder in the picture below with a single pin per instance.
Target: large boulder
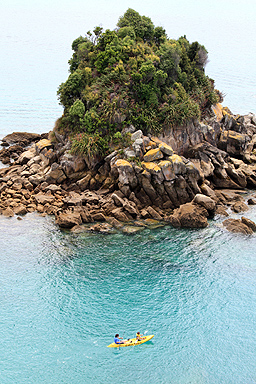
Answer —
(249, 223)
(208, 191)
(44, 143)
(20, 210)
(72, 164)
(239, 206)
(189, 216)
(205, 201)
(8, 212)
(119, 214)
(237, 226)
(68, 219)
(21, 137)
(148, 187)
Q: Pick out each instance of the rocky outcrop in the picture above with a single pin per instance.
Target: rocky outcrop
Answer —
(189, 216)
(22, 138)
(239, 226)
(182, 177)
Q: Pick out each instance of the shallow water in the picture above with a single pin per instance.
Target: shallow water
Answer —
(64, 296)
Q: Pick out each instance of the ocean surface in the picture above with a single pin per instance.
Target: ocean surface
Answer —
(63, 296)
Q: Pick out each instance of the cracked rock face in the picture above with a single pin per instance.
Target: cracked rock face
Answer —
(182, 170)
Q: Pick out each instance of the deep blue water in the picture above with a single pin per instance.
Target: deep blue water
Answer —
(63, 296)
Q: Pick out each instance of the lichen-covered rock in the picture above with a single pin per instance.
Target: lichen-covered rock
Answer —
(167, 169)
(126, 173)
(217, 110)
(154, 170)
(44, 143)
(153, 154)
(166, 149)
(233, 143)
(179, 167)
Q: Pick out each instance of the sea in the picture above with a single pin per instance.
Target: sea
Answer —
(63, 296)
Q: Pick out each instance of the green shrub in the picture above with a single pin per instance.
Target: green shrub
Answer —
(134, 75)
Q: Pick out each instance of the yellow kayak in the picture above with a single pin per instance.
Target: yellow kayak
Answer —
(131, 342)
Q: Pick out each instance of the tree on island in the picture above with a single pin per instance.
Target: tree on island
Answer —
(134, 75)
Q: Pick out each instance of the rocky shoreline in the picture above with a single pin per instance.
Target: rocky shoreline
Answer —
(181, 178)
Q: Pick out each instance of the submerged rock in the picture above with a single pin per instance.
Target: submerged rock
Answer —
(131, 229)
(104, 228)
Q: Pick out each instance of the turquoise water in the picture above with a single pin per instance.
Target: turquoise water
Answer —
(64, 296)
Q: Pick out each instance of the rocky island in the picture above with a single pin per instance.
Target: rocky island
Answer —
(143, 140)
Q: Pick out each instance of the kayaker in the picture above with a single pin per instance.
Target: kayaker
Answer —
(138, 336)
(118, 340)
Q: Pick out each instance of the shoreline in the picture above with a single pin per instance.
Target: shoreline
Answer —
(180, 178)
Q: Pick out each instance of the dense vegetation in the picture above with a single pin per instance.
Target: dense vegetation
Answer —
(133, 75)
